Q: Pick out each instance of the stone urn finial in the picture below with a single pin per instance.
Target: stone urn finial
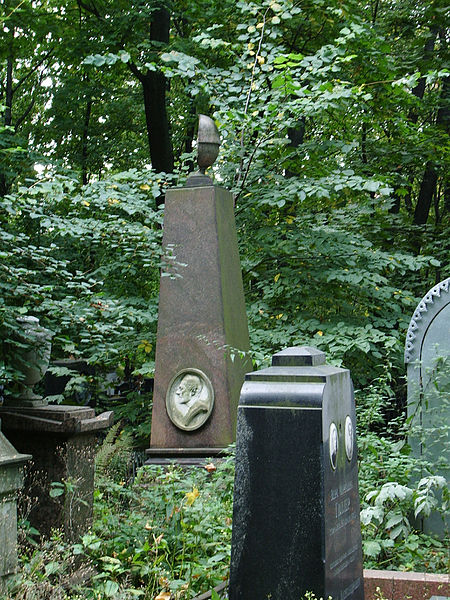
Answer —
(33, 361)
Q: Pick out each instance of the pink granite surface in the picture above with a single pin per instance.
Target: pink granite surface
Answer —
(399, 585)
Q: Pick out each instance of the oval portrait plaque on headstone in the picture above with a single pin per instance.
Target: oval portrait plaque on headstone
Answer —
(333, 445)
(349, 438)
(189, 399)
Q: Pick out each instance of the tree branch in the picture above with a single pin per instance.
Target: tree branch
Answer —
(250, 160)
(33, 70)
(133, 68)
(24, 114)
(92, 9)
(375, 11)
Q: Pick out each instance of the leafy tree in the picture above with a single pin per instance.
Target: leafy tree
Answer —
(333, 118)
(84, 259)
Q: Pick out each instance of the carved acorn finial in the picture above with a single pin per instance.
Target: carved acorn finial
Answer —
(208, 144)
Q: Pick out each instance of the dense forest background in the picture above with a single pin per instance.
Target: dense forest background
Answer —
(334, 122)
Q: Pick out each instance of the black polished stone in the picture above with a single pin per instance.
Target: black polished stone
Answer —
(296, 521)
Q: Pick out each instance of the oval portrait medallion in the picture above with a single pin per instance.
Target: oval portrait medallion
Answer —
(349, 438)
(189, 399)
(333, 445)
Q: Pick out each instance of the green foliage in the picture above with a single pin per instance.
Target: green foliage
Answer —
(180, 527)
(115, 454)
(389, 540)
(397, 487)
(134, 412)
(325, 135)
(170, 531)
(85, 261)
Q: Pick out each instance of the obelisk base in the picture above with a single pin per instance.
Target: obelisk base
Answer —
(182, 456)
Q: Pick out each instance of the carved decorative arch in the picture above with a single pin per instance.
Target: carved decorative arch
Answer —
(430, 305)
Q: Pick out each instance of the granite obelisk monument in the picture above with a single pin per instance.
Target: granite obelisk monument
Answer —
(202, 333)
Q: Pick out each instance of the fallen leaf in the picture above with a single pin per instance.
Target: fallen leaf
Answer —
(191, 496)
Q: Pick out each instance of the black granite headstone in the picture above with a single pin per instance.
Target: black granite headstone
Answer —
(296, 524)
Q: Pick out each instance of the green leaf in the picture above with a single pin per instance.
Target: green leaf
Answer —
(371, 548)
(393, 520)
(111, 588)
(372, 186)
(52, 567)
(57, 489)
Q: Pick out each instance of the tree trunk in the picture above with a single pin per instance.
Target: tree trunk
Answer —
(84, 142)
(154, 88)
(158, 132)
(430, 176)
(427, 189)
(7, 120)
(418, 91)
(296, 136)
(9, 92)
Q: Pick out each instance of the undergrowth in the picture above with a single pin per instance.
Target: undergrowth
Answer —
(166, 535)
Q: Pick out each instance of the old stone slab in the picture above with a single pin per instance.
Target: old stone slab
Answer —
(11, 480)
(62, 440)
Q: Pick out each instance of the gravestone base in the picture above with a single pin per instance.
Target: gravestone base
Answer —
(62, 441)
(181, 456)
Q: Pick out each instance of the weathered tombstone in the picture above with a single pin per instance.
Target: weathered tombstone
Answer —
(296, 524)
(202, 323)
(427, 356)
(11, 480)
(62, 440)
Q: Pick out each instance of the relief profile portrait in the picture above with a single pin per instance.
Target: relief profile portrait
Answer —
(334, 444)
(189, 399)
(349, 438)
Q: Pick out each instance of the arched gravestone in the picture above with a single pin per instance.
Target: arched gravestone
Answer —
(427, 356)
